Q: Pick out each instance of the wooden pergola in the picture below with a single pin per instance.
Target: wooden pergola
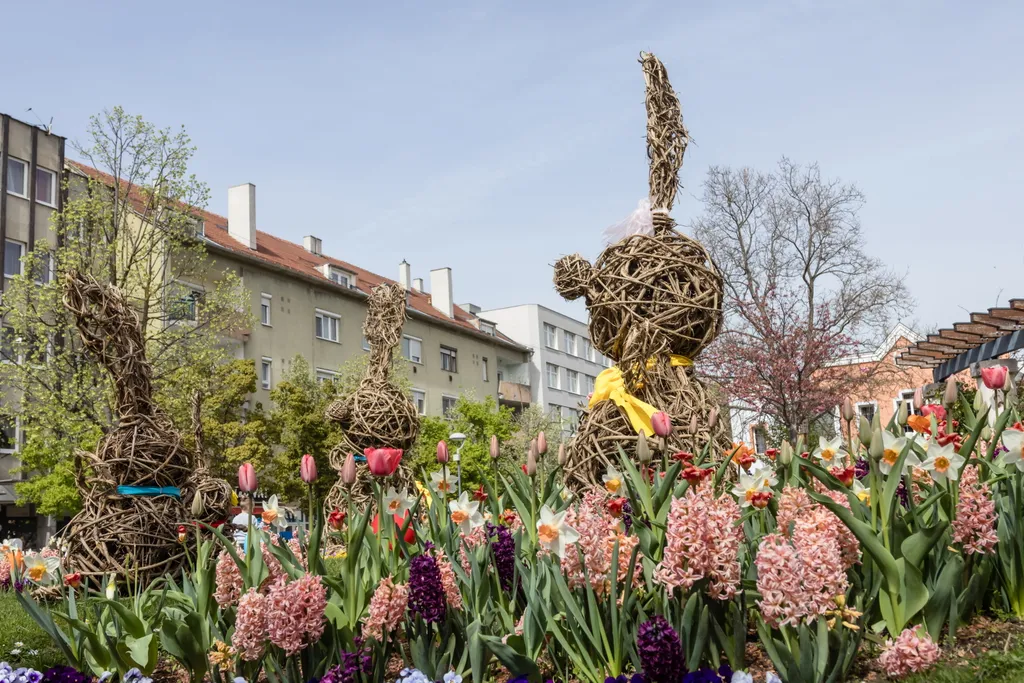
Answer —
(986, 336)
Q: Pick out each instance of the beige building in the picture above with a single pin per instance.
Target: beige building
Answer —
(30, 191)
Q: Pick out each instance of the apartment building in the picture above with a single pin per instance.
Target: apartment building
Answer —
(564, 364)
(307, 303)
(30, 192)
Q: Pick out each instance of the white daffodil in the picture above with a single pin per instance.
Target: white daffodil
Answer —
(747, 486)
(270, 512)
(553, 533)
(893, 446)
(612, 480)
(443, 482)
(111, 588)
(764, 471)
(41, 570)
(943, 463)
(829, 452)
(1013, 439)
(862, 492)
(466, 513)
(398, 503)
(10, 545)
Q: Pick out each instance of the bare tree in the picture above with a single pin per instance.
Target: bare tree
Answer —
(802, 294)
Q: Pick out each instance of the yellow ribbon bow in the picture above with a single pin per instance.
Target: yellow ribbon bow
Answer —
(610, 385)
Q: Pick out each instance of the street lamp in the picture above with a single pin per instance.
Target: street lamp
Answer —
(458, 438)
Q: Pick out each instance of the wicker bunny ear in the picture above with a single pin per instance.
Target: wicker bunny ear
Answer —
(573, 275)
(667, 139)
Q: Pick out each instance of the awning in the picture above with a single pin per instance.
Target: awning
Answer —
(986, 336)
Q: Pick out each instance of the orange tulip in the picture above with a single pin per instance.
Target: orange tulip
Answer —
(920, 424)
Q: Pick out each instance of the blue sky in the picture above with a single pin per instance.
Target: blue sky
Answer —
(495, 137)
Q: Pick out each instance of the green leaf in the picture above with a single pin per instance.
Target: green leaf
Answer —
(915, 548)
(143, 651)
(132, 624)
(517, 663)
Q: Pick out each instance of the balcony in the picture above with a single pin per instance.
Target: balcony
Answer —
(514, 394)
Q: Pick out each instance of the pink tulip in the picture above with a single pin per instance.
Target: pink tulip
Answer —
(307, 469)
(661, 423)
(383, 461)
(531, 459)
(542, 444)
(994, 377)
(495, 451)
(442, 452)
(247, 478)
(348, 470)
(938, 411)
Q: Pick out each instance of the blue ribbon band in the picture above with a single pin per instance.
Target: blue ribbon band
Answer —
(150, 491)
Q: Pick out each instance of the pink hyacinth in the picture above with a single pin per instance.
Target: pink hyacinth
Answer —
(704, 538)
(470, 542)
(451, 587)
(229, 581)
(797, 508)
(250, 626)
(975, 524)
(387, 609)
(5, 571)
(295, 612)
(800, 576)
(909, 653)
(599, 532)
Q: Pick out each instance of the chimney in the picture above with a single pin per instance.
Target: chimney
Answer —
(242, 214)
(417, 284)
(404, 274)
(313, 245)
(441, 291)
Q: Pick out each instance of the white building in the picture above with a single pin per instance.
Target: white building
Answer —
(563, 366)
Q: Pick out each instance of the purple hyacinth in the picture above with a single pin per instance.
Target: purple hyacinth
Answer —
(504, 548)
(352, 666)
(861, 468)
(426, 593)
(65, 674)
(20, 584)
(660, 650)
(627, 515)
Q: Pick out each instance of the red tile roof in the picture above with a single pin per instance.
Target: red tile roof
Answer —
(289, 256)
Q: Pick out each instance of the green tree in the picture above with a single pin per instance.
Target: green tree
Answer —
(139, 233)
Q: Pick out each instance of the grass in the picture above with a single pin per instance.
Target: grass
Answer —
(20, 637)
(990, 667)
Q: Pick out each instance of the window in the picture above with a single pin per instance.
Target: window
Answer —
(8, 347)
(588, 350)
(483, 365)
(13, 251)
(327, 326)
(552, 376)
(265, 302)
(419, 399)
(366, 344)
(448, 404)
(570, 343)
(182, 303)
(448, 360)
(265, 373)
(487, 328)
(590, 384)
(573, 420)
(42, 269)
(412, 350)
(760, 439)
(550, 336)
(867, 410)
(17, 177)
(341, 277)
(46, 187)
(325, 376)
(555, 411)
(906, 396)
(8, 434)
(573, 380)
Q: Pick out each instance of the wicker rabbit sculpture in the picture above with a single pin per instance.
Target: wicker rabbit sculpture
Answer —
(378, 414)
(654, 298)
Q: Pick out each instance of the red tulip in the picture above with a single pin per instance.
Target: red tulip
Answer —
(683, 456)
(542, 444)
(844, 474)
(336, 519)
(442, 452)
(348, 470)
(307, 469)
(938, 411)
(994, 377)
(73, 580)
(661, 423)
(615, 506)
(772, 453)
(383, 461)
(247, 478)
(480, 494)
(410, 533)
